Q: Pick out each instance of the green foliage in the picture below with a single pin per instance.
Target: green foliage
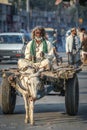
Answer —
(66, 0)
(83, 2)
(48, 5)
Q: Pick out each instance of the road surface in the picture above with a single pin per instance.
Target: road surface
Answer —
(49, 111)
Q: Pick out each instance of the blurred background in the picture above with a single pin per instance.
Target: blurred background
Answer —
(24, 15)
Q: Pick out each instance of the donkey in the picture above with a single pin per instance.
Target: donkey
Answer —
(28, 84)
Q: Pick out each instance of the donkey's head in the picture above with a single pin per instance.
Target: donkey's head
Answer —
(35, 84)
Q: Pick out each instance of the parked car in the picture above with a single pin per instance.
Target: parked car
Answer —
(12, 45)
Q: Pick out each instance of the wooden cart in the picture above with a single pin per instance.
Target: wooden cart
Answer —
(61, 79)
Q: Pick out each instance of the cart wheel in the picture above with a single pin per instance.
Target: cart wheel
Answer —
(8, 98)
(72, 96)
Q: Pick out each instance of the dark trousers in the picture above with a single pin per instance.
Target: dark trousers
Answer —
(74, 58)
(71, 58)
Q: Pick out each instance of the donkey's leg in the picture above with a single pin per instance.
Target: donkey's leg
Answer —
(26, 109)
(31, 111)
(23, 92)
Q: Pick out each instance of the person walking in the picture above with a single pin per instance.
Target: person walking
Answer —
(72, 47)
(82, 33)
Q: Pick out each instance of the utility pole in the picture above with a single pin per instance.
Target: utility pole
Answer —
(76, 4)
(28, 11)
(77, 8)
(19, 13)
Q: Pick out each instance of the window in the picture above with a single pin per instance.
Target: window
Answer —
(11, 39)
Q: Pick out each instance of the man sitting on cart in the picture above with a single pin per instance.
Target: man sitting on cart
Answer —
(39, 50)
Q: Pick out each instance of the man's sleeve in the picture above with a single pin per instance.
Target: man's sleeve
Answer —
(67, 44)
(27, 50)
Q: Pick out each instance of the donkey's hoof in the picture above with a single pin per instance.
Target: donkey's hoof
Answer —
(32, 123)
(26, 121)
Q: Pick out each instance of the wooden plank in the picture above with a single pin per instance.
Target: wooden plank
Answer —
(63, 71)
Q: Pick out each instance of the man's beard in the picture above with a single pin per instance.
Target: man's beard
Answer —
(38, 38)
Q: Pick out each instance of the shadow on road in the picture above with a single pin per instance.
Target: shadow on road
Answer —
(82, 114)
(55, 113)
(8, 62)
(42, 108)
(48, 114)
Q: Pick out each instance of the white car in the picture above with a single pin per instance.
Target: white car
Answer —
(12, 45)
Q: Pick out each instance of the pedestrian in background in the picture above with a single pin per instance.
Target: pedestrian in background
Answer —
(54, 43)
(72, 47)
(84, 50)
(82, 34)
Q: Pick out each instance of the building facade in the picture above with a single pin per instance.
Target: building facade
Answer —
(13, 17)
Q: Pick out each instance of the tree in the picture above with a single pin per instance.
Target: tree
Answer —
(43, 4)
(83, 2)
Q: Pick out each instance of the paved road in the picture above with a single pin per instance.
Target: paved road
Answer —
(49, 112)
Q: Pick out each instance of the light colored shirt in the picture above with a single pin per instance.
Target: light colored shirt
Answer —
(39, 49)
(69, 43)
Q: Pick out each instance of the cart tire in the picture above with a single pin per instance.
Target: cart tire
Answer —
(8, 97)
(72, 96)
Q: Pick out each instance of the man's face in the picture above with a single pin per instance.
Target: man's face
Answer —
(74, 32)
(38, 33)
